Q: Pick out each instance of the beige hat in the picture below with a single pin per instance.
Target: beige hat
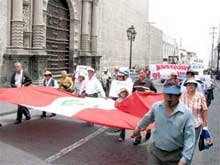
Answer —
(82, 74)
(90, 69)
(123, 90)
(174, 73)
(47, 73)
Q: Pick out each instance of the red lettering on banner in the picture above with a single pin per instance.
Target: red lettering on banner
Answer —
(171, 66)
(158, 67)
(156, 75)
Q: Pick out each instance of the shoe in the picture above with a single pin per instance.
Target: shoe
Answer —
(43, 116)
(89, 124)
(148, 135)
(17, 122)
(137, 141)
(53, 114)
(28, 118)
(120, 139)
(117, 130)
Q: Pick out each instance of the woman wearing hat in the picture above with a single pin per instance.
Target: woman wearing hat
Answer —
(197, 104)
(78, 84)
(173, 78)
(119, 77)
(123, 93)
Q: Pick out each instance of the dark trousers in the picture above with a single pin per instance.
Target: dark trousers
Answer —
(92, 95)
(22, 110)
(45, 113)
(209, 96)
(122, 134)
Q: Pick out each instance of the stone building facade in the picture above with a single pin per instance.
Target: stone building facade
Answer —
(170, 50)
(155, 44)
(114, 18)
(58, 35)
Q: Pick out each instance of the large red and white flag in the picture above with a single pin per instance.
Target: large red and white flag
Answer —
(125, 114)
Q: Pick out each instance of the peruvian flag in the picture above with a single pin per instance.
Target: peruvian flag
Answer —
(106, 112)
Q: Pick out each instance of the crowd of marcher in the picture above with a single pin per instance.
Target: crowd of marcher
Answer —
(179, 118)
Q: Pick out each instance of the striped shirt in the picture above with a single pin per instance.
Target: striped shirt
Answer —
(197, 105)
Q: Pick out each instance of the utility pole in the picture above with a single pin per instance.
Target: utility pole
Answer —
(213, 33)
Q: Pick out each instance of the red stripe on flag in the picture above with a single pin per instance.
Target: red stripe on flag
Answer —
(112, 118)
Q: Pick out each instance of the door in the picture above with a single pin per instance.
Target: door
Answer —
(57, 39)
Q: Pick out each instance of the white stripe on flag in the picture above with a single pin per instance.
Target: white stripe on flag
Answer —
(69, 106)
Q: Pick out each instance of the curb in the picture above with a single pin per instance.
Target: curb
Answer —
(8, 113)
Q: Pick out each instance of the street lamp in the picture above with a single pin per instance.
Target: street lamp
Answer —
(218, 48)
(131, 33)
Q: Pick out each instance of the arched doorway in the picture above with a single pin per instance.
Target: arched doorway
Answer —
(58, 34)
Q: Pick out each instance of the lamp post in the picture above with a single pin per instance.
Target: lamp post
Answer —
(131, 33)
(218, 48)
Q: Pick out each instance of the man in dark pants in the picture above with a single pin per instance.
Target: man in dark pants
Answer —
(143, 84)
(20, 79)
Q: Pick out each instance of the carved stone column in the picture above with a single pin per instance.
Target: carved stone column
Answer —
(38, 25)
(94, 26)
(17, 35)
(85, 25)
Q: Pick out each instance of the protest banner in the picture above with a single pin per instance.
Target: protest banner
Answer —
(163, 71)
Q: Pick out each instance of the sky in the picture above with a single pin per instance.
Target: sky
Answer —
(188, 21)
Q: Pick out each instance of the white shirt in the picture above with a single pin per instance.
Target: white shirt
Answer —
(78, 85)
(92, 86)
(18, 79)
(47, 82)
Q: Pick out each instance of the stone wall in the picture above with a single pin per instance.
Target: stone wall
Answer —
(4, 31)
(114, 18)
(155, 45)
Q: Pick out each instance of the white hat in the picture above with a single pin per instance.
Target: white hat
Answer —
(191, 81)
(82, 74)
(47, 73)
(105, 69)
(90, 69)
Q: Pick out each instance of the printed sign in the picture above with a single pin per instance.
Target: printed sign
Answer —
(116, 86)
(163, 71)
(82, 69)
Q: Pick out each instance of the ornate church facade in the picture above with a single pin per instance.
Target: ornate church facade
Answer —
(58, 35)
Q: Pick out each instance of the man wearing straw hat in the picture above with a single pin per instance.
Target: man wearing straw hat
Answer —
(49, 81)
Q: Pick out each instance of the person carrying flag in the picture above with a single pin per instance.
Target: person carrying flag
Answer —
(174, 134)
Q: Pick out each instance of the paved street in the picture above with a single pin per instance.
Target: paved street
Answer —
(64, 141)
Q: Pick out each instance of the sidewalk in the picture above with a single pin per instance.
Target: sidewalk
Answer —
(6, 108)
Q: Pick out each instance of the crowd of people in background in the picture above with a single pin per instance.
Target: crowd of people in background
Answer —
(185, 105)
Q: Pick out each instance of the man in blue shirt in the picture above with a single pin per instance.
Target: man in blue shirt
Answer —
(174, 134)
